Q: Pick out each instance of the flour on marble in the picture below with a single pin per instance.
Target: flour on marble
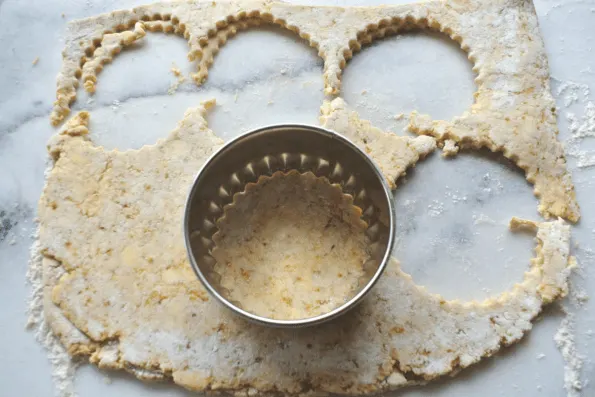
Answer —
(572, 92)
(455, 196)
(573, 361)
(581, 128)
(115, 105)
(483, 219)
(435, 208)
(488, 180)
(10, 218)
(578, 296)
(63, 366)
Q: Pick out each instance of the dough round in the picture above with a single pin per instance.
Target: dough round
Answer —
(291, 246)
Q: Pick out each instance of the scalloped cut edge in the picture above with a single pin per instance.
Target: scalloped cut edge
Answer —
(512, 111)
(354, 212)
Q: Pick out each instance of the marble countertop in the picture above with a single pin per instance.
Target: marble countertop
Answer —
(452, 214)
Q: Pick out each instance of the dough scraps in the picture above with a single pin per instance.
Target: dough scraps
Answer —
(120, 291)
(291, 246)
(179, 79)
(513, 111)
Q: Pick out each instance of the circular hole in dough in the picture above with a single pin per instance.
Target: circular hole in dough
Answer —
(418, 70)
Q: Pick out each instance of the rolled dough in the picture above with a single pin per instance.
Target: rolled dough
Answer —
(120, 291)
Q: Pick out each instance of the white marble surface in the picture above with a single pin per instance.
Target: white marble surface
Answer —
(452, 214)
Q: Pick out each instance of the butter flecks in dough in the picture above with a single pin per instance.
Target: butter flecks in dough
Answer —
(392, 153)
(111, 44)
(291, 246)
(110, 223)
(512, 112)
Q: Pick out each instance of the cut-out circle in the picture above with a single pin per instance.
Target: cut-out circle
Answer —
(274, 84)
(419, 70)
(279, 83)
(131, 106)
(452, 225)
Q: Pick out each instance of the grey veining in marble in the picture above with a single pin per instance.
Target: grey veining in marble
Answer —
(452, 213)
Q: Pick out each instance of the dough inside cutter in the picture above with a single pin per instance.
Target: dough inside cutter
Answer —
(291, 246)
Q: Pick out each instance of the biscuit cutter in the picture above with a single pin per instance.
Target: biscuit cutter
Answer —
(283, 148)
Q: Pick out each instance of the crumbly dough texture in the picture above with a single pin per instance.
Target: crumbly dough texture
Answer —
(291, 246)
(513, 111)
(118, 286)
(393, 154)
